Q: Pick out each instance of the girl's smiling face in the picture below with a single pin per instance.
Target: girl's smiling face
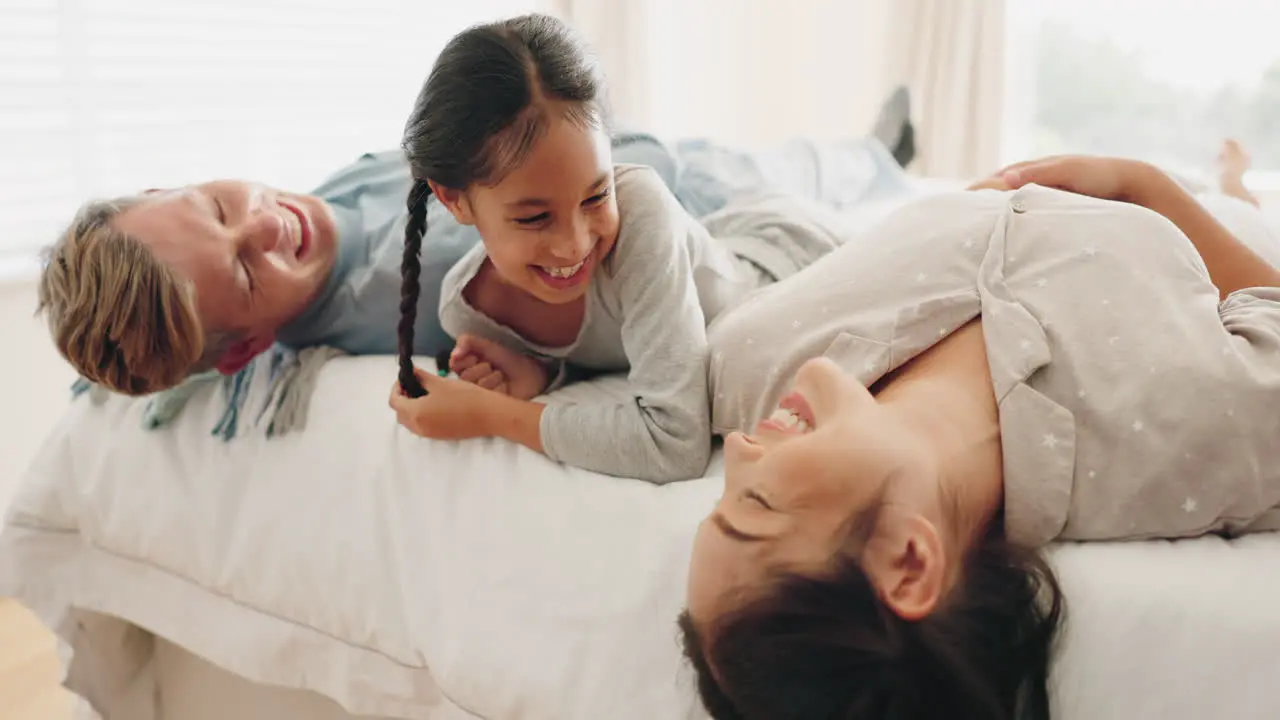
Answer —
(548, 222)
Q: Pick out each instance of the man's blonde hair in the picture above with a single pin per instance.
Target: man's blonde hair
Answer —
(122, 318)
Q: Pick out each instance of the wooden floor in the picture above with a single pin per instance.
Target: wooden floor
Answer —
(29, 688)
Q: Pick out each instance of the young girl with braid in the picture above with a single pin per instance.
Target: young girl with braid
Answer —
(585, 266)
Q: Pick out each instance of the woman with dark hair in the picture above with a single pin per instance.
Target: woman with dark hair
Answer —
(1077, 352)
(583, 264)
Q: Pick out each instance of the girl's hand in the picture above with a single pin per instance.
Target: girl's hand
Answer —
(451, 409)
(1106, 178)
(496, 367)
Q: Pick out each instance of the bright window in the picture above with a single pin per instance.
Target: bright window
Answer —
(106, 97)
(1162, 80)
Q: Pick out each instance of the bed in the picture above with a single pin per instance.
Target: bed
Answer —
(352, 571)
(292, 578)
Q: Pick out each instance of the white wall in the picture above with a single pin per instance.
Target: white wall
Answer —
(34, 383)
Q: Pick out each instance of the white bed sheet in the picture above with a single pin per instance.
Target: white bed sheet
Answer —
(409, 579)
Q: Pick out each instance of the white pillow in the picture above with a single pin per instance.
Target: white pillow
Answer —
(357, 560)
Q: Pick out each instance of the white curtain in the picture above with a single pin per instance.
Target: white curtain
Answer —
(951, 53)
(754, 72)
(746, 72)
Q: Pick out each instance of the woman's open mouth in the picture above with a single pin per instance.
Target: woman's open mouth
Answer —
(793, 416)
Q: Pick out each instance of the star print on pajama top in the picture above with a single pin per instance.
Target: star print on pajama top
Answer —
(1133, 403)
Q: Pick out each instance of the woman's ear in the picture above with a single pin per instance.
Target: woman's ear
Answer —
(455, 201)
(908, 565)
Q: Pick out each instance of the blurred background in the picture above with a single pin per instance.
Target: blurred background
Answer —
(106, 97)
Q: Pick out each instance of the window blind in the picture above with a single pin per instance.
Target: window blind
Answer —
(107, 97)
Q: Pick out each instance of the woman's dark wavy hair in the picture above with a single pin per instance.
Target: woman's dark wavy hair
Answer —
(484, 104)
(827, 648)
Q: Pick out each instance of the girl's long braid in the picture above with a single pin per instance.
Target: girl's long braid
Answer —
(410, 269)
(476, 118)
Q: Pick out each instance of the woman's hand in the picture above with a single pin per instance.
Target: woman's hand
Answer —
(451, 410)
(496, 367)
(1106, 178)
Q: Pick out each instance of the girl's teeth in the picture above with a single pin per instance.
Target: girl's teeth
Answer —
(563, 272)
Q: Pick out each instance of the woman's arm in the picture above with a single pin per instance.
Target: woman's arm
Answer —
(1232, 265)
